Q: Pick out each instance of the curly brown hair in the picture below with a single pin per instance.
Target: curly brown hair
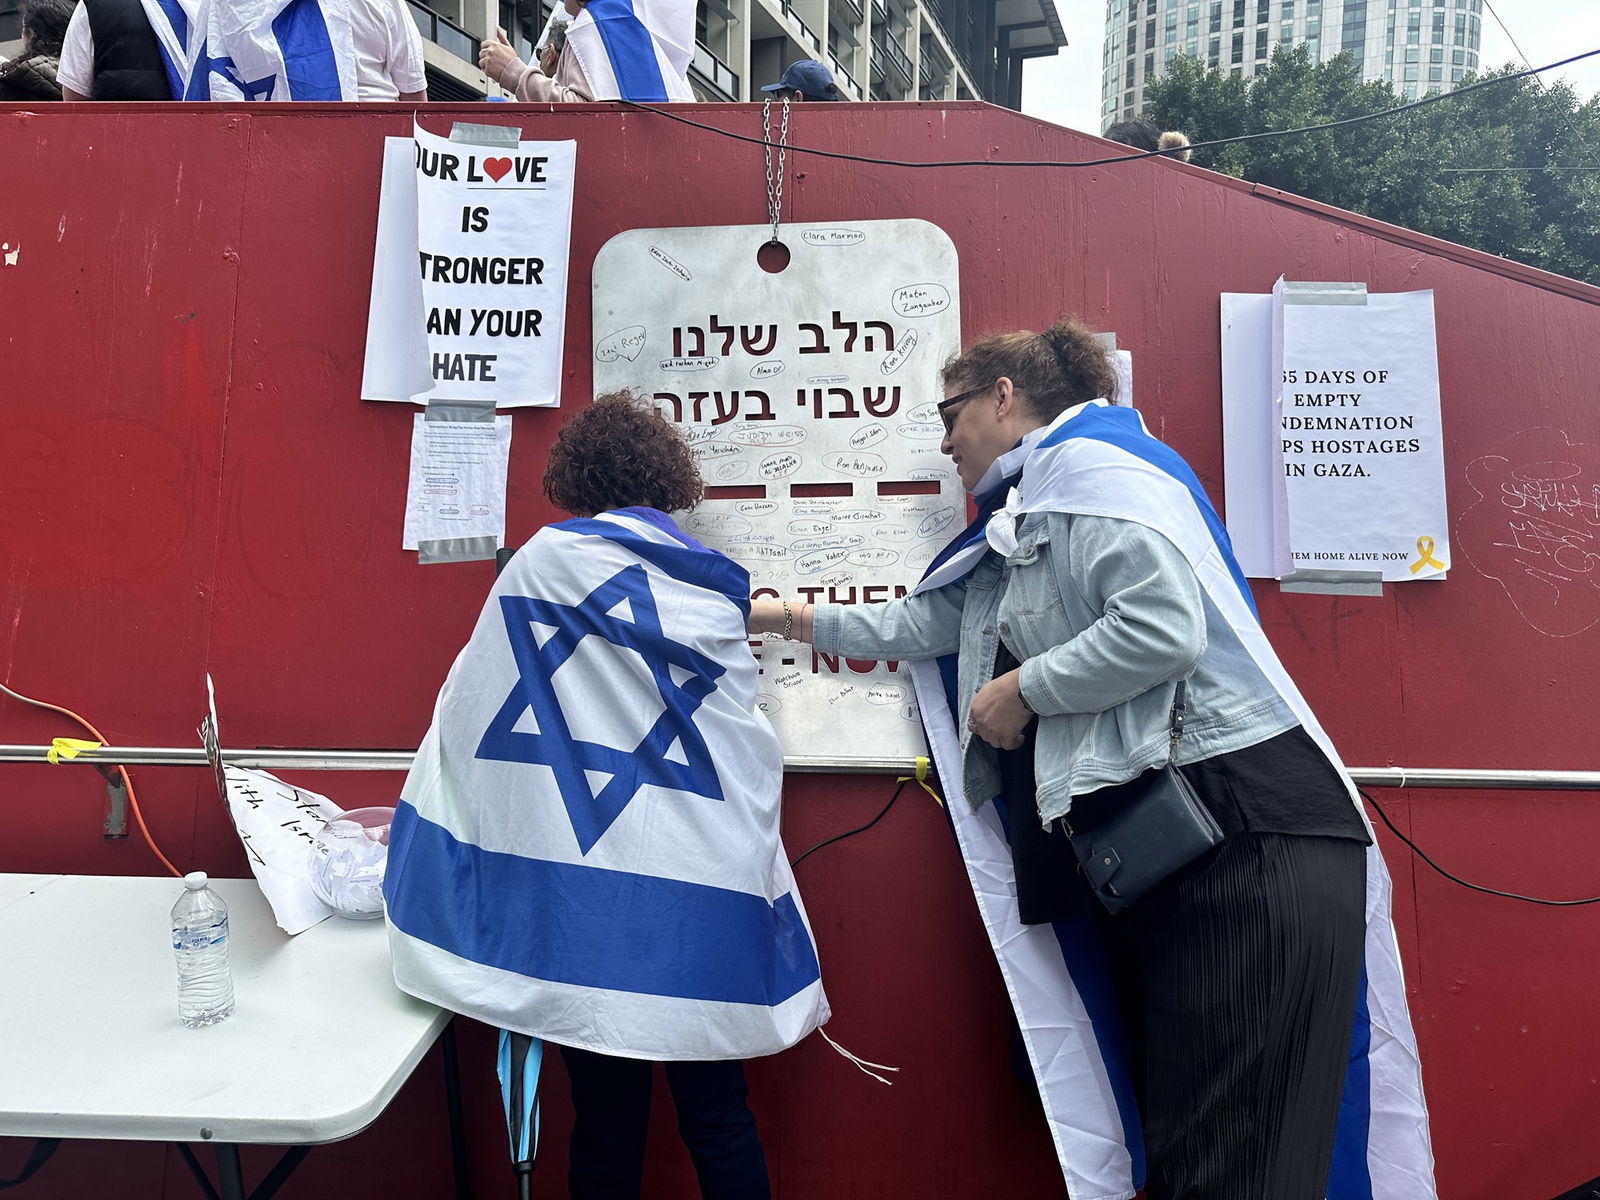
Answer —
(1063, 366)
(618, 452)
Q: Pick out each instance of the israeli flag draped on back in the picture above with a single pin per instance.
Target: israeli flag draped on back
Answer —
(1100, 460)
(273, 50)
(177, 37)
(587, 846)
(635, 50)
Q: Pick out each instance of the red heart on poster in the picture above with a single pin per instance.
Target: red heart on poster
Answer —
(496, 168)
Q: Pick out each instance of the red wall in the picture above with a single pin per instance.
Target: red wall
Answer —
(189, 483)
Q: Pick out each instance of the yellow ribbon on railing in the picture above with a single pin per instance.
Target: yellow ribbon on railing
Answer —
(921, 778)
(69, 748)
(1425, 556)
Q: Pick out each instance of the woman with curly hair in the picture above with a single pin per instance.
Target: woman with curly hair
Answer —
(586, 851)
(1089, 628)
(31, 77)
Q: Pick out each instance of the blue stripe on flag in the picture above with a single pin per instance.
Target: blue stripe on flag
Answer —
(199, 76)
(701, 567)
(309, 67)
(1350, 1178)
(630, 48)
(1122, 428)
(1083, 951)
(179, 20)
(591, 927)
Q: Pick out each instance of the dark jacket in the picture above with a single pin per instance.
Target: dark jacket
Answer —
(127, 58)
(30, 79)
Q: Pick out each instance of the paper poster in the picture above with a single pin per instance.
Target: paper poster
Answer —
(1332, 434)
(277, 823)
(457, 484)
(469, 287)
(1254, 497)
(809, 397)
(1361, 437)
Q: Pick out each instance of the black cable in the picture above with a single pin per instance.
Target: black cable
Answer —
(43, 1148)
(841, 836)
(1100, 162)
(1488, 891)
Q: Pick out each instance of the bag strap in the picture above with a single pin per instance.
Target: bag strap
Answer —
(1176, 729)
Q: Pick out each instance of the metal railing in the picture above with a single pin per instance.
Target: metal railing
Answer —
(843, 77)
(853, 8)
(716, 75)
(400, 760)
(444, 32)
(807, 36)
(897, 57)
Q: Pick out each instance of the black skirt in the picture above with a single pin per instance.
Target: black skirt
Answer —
(1236, 979)
(1239, 984)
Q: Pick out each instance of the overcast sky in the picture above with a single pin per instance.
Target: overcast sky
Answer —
(1066, 89)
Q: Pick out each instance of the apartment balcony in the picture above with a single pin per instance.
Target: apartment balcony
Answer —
(897, 59)
(853, 10)
(845, 81)
(444, 33)
(808, 36)
(717, 78)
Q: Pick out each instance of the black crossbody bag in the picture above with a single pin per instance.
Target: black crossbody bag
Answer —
(1153, 826)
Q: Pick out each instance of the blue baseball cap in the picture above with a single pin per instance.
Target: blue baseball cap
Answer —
(808, 77)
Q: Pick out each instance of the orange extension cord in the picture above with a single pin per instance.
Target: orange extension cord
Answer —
(133, 801)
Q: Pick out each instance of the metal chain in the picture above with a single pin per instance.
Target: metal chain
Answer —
(774, 183)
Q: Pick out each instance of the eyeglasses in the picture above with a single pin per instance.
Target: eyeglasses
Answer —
(945, 406)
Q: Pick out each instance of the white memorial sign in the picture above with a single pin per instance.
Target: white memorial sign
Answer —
(809, 397)
(469, 287)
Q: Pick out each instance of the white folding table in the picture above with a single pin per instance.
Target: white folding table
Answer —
(91, 1046)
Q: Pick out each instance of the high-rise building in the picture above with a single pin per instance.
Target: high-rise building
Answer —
(1417, 45)
(877, 49)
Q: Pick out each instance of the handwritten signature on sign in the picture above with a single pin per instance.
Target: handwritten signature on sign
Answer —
(1534, 528)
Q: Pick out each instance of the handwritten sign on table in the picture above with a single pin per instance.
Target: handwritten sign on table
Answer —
(277, 823)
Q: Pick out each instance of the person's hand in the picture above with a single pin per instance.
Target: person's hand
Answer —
(495, 56)
(547, 60)
(998, 715)
(766, 616)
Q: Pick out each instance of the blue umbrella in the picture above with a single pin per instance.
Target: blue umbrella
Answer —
(518, 1066)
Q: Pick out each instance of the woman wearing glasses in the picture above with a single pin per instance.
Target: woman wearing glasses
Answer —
(1094, 581)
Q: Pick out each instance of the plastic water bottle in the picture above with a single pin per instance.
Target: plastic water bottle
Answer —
(200, 939)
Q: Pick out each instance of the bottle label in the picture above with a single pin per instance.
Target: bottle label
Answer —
(199, 939)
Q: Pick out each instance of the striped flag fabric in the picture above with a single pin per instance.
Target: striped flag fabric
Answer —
(177, 37)
(587, 848)
(272, 50)
(1100, 460)
(635, 50)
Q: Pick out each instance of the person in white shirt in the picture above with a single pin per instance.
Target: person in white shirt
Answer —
(388, 52)
(126, 65)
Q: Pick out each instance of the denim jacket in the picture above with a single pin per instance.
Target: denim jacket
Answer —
(1105, 616)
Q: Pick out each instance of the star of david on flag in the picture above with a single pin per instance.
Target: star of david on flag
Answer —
(596, 780)
(271, 50)
(587, 847)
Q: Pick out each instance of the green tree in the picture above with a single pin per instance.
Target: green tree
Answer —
(1441, 169)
